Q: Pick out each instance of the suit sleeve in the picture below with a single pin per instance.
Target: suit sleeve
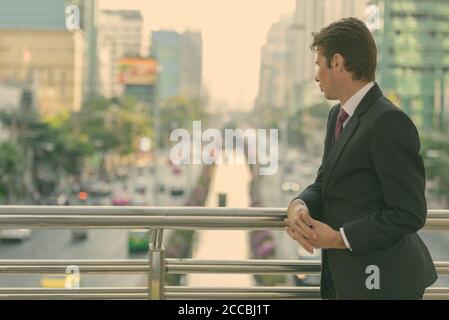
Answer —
(394, 144)
(313, 194)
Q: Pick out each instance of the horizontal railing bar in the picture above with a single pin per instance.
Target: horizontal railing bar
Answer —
(84, 296)
(147, 222)
(268, 293)
(81, 293)
(175, 292)
(140, 211)
(33, 266)
(92, 290)
(244, 266)
(437, 224)
(110, 217)
(175, 266)
(62, 270)
(78, 262)
(138, 222)
(185, 289)
(240, 296)
(161, 211)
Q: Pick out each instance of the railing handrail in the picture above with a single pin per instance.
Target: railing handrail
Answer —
(173, 266)
(109, 217)
(182, 292)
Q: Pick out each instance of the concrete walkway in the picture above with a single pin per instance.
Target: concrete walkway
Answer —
(234, 180)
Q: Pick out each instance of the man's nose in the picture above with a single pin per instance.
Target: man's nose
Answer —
(317, 79)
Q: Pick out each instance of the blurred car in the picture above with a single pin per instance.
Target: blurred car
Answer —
(176, 170)
(308, 279)
(140, 188)
(100, 194)
(120, 200)
(138, 240)
(79, 234)
(15, 234)
(290, 186)
(160, 188)
(55, 281)
(177, 192)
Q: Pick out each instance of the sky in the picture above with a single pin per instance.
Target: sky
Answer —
(233, 31)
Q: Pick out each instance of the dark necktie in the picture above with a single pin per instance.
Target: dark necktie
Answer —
(342, 116)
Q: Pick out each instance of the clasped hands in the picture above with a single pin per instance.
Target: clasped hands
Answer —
(308, 232)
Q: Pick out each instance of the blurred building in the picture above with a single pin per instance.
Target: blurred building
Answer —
(274, 66)
(119, 36)
(50, 60)
(179, 58)
(26, 14)
(36, 47)
(166, 48)
(414, 58)
(191, 64)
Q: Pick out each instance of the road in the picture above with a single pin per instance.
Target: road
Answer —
(233, 180)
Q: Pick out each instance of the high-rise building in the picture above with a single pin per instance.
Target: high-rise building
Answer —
(414, 58)
(166, 48)
(36, 48)
(26, 14)
(274, 67)
(120, 32)
(191, 64)
(179, 57)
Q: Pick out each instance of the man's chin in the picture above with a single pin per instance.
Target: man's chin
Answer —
(328, 96)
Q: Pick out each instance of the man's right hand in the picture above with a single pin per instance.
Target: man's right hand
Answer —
(296, 228)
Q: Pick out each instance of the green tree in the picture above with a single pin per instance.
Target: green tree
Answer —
(11, 164)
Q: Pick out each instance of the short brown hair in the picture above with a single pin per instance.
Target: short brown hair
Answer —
(351, 38)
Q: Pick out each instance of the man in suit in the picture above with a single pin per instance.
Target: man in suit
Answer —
(367, 202)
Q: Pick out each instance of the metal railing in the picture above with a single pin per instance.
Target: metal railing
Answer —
(156, 219)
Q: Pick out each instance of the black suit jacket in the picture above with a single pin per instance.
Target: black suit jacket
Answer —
(371, 182)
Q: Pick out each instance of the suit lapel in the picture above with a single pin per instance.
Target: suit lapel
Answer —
(352, 125)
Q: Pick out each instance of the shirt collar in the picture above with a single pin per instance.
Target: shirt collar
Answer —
(355, 100)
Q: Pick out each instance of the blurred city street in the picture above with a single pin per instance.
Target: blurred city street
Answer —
(101, 244)
(233, 181)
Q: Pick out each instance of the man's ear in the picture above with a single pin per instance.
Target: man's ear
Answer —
(338, 62)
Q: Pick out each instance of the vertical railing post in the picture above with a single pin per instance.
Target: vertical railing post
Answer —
(156, 263)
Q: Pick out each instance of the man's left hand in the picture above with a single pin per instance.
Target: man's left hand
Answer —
(325, 237)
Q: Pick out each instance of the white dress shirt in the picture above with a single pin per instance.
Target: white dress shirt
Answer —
(350, 107)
